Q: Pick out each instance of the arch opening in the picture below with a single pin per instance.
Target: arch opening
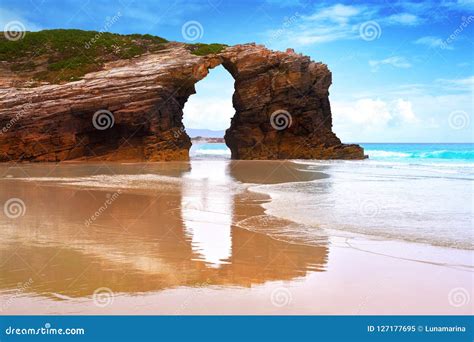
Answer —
(207, 115)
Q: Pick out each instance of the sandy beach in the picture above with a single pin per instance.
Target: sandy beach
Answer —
(196, 238)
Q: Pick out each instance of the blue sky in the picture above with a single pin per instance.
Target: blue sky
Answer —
(402, 70)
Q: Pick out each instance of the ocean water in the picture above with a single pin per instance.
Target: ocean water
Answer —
(204, 151)
(412, 192)
(426, 153)
(420, 193)
(392, 152)
(138, 229)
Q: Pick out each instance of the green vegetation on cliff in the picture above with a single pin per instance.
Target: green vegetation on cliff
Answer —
(200, 49)
(57, 56)
(65, 55)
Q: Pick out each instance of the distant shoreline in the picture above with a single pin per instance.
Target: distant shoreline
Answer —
(221, 140)
(208, 140)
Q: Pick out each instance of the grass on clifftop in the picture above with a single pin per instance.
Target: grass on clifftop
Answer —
(200, 49)
(56, 56)
(66, 55)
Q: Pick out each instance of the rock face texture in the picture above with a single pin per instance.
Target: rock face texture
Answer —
(132, 110)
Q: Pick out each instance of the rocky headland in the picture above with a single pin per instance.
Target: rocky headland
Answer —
(130, 107)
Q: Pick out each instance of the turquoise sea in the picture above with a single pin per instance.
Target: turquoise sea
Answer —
(413, 192)
(396, 152)
(426, 152)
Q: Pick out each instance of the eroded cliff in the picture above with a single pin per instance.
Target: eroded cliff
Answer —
(131, 110)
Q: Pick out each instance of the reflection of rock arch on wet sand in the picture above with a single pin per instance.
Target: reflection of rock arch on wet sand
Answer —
(139, 244)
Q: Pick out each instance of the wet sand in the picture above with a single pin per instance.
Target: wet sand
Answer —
(190, 238)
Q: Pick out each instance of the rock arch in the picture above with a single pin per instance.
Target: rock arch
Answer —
(281, 106)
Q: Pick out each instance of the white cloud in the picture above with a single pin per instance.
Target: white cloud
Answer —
(432, 122)
(404, 19)
(338, 13)
(325, 25)
(404, 109)
(464, 4)
(433, 42)
(415, 7)
(434, 112)
(341, 22)
(416, 117)
(395, 61)
(212, 113)
(7, 17)
(211, 107)
(460, 84)
(319, 36)
(366, 112)
(285, 3)
(369, 114)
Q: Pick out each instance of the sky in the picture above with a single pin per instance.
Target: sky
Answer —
(402, 70)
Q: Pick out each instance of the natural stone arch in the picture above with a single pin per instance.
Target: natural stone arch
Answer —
(282, 107)
(146, 97)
